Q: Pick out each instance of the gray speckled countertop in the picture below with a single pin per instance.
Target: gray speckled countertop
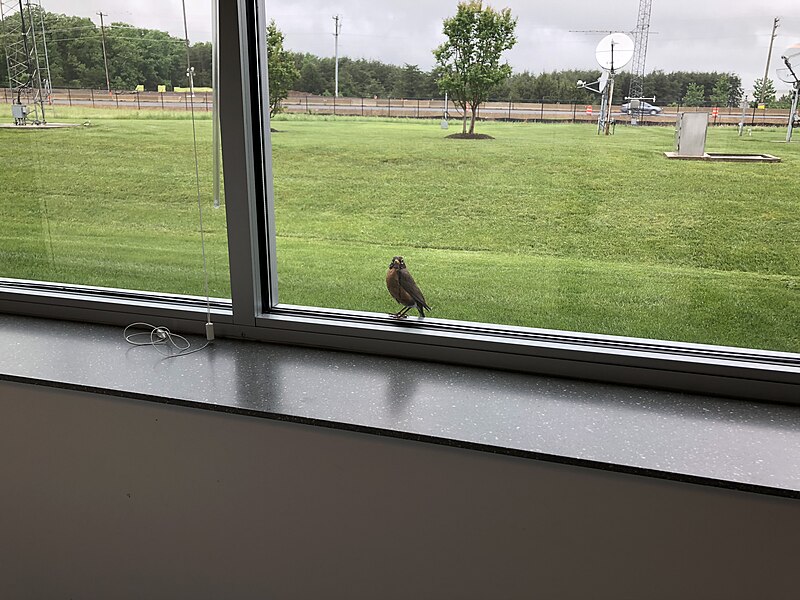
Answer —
(729, 443)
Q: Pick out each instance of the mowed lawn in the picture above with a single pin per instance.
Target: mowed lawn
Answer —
(546, 226)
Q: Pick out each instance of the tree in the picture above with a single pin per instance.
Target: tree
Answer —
(468, 63)
(281, 70)
(721, 94)
(763, 94)
(694, 96)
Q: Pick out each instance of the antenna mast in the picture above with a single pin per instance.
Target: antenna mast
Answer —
(640, 38)
(18, 28)
(337, 29)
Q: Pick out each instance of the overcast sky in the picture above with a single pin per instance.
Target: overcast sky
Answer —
(689, 35)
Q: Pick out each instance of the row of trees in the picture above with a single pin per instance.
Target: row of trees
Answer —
(368, 78)
(136, 56)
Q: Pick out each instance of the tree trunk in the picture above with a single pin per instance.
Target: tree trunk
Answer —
(472, 122)
(464, 121)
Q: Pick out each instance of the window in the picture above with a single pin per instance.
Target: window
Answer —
(308, 252)
(103, 193)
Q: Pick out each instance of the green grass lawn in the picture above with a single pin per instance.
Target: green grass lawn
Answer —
(547, 225)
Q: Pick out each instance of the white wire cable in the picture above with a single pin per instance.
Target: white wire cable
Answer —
(158, 338)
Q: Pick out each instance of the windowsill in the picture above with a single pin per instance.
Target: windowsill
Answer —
(698, 439)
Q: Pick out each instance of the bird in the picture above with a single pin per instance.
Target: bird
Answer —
(404, 289)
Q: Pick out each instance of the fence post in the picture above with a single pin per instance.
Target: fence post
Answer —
(362, 107)
(138, 106)
(91, 91)
(206, 98)
(307, 105)
(541, 112)
(69, 96)
(418, 108)
(116, 98)
(574, 109)
(509, 109)
(390, 107)
(334, 106)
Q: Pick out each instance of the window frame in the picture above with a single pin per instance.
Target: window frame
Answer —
(254, 311)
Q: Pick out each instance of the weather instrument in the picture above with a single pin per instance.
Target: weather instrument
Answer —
(613, 52)
(790, 73)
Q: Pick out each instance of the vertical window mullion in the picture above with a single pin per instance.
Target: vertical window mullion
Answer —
(247, 159)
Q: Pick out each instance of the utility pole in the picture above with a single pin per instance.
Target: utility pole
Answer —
(105, 58)
(337, 29)
(775, 24)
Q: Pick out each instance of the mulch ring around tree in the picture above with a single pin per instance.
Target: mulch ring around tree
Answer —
(469, 136)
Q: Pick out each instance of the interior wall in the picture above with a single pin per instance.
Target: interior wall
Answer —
(103, 497)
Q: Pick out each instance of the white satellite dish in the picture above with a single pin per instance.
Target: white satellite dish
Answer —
(614, 51)
(603, 81)
(790, 59)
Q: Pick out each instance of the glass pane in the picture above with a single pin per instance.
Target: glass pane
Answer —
(98, 186)
(551, 223)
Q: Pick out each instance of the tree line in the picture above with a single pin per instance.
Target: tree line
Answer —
(136, 55)
(141, 56)
(368, 78)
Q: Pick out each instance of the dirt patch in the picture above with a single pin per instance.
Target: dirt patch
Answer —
(469, 136)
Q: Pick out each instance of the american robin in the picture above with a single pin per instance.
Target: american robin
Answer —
(404, 289)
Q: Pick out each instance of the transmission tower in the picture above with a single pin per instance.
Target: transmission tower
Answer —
(22, 29)
(640, 37)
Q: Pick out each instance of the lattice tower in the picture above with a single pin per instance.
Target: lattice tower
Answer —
(22, 30)
(641, 35)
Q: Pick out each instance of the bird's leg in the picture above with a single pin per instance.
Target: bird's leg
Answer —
(401, 314)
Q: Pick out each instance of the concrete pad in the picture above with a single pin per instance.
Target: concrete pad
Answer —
(722, 157)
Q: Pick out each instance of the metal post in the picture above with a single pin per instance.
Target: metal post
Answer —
(138, 106)
(337, 28)
(91, 91)
(162, 99)
(509, 109)
(334, 106)
(792, 112)
(574, 109)
(541, 111)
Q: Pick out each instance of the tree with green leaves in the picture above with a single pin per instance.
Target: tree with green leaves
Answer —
(281, 69)
(695, 95)
(763, 94)
(721, 94)
(468, 63)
